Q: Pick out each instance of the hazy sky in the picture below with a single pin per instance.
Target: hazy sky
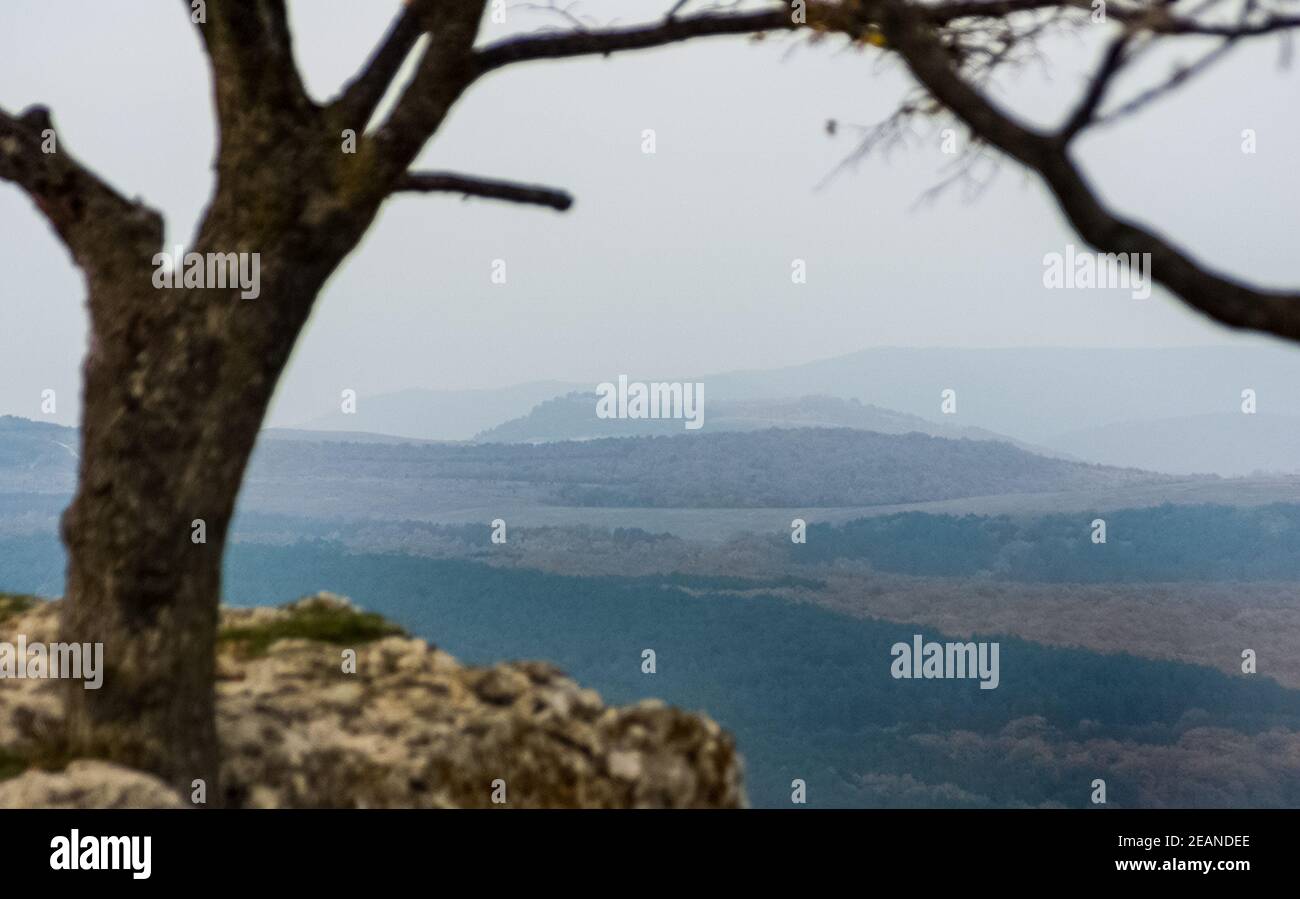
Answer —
(677, 262)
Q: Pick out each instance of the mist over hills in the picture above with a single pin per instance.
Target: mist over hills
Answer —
(1030, 394)
(573, 417)
(1230, 444)
(437, 414)
(1173, 410)
(1036, 393)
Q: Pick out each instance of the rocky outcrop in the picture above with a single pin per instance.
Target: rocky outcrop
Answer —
(320, 705)
(87, 784)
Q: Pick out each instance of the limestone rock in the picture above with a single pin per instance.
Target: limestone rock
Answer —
(412, 727)
(87, 784)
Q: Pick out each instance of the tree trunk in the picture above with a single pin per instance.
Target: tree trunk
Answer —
(171, 411)
(176, 383)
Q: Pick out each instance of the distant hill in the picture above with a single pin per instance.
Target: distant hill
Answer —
(1230, 444)
(36, 456)
(573, 417)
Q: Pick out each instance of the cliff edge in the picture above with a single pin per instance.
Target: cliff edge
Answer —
(322, 705)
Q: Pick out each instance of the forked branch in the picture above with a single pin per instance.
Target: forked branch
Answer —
(101, 228)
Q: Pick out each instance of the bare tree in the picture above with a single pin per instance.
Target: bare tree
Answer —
(176, 384)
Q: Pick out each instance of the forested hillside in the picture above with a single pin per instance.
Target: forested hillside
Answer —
(1162, 543)
(814, 467)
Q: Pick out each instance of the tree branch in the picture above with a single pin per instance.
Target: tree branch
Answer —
(357, 102)
(107, 234)
(450, 182)
(1177, 25)
(847, 19)
(639, 37)
(1179, 77)
(943, 13)
(253, 71)
(1217, 296)
(1086, 111)
(443, 73)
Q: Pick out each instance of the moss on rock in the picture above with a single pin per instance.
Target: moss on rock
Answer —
(324, 618)
(15, 604)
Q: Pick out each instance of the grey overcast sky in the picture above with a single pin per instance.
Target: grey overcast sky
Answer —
(676, 263)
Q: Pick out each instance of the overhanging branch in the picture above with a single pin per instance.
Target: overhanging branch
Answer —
(510, 191)
(849, 19)
(1224, 299)
(671, 30)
